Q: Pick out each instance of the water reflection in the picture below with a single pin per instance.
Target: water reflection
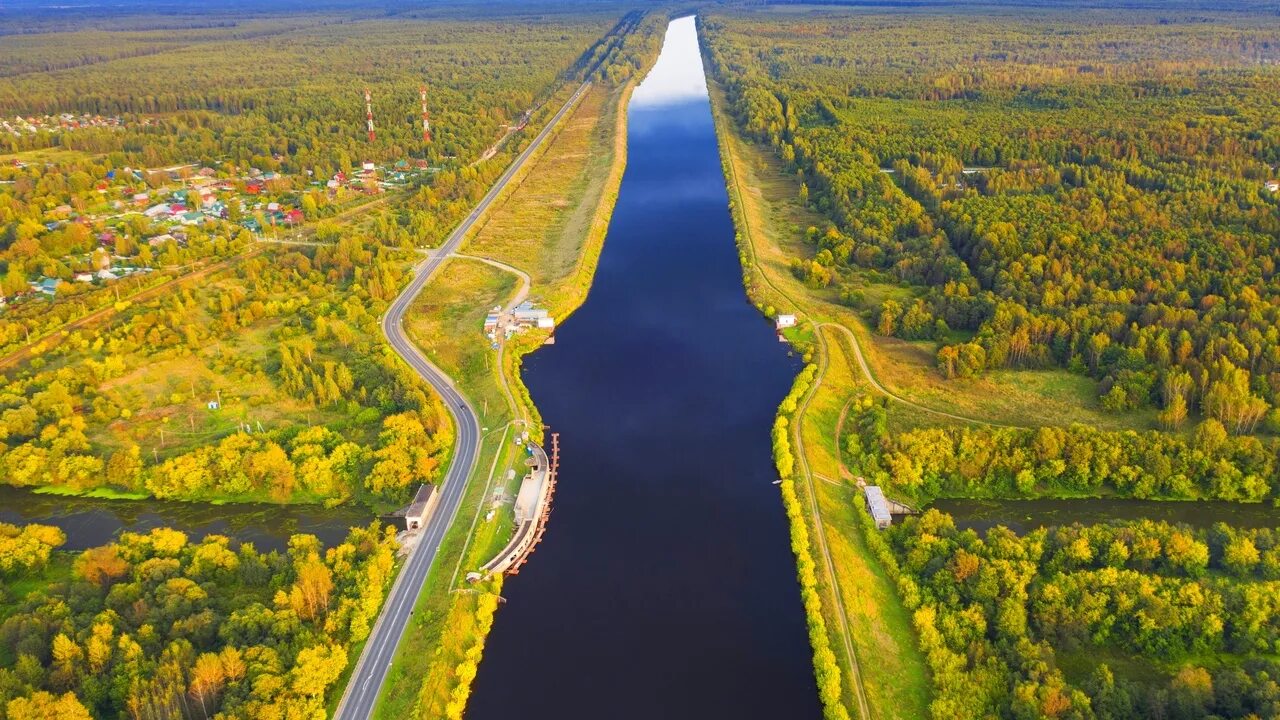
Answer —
(1024, 515)
(89, 522)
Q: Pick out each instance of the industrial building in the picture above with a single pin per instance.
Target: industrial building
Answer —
(526, 314)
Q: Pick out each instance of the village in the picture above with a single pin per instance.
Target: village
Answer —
(62, 122)
(133, 216)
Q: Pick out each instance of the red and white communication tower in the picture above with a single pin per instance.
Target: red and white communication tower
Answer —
(426, 120)
(368, 112)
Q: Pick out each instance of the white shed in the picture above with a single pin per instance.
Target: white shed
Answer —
(785, 321)
(878, 506)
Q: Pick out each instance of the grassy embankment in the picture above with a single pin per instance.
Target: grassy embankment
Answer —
(550, 224)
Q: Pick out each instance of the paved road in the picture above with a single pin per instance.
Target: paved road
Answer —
(371, 670)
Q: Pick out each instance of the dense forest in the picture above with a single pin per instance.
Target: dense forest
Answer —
(965, 461)
(1088, 193)
(287, 94)
(1000, 616)
(156, 626)
(1093, 192)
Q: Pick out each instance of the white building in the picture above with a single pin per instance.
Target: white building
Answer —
(527, 314)
(785, 321)
(878, 506)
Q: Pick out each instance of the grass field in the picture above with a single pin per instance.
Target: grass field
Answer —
(892, 667)
(551, 225)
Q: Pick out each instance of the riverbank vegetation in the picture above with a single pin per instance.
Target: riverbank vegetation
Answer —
(153, 625)
(1016, 246)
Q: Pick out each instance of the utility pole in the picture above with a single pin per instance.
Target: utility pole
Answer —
(368, 112)
(426, 121)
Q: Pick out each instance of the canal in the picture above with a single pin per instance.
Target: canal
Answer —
(89, 522)
(665, 585)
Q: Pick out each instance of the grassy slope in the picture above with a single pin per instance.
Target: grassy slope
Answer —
(551, 224)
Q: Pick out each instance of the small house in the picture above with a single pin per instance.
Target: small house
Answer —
(878, 506)
(156, 211)
(783, 322)
(84, 277)
(415, 516)
(1273, 186)
(547, 323)
(48, 286)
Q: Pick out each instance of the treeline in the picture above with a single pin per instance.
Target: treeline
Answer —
(1086, 194)
(826, 668)
(294, 94)
(1053, 461)
(76, 418)
(629, 45)
(27, 548)
(154, 626)
(993, 613)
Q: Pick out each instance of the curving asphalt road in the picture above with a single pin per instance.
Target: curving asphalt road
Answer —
(366, 681)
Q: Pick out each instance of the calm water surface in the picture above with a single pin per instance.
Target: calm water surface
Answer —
(665, 585)
(89, 522)
(1023, 515)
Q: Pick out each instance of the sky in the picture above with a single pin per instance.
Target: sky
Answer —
(677, 76)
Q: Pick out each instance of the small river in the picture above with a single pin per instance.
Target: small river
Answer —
(89, 522)
(665, 586)
(1023, 515)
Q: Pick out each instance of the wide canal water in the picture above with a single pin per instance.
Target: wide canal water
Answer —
(665, 585)
(89, 522)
